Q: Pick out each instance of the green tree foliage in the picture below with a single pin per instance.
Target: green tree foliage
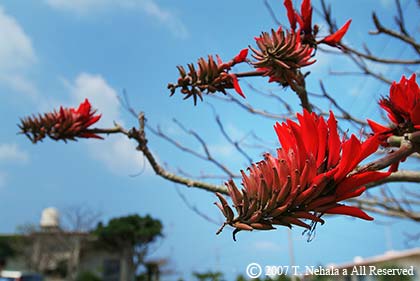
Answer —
(133, 230)
(240, 278)
(274, 278)
(281, 278)
(208, 276)
(6, 248)
(130, 236)
(87, 276)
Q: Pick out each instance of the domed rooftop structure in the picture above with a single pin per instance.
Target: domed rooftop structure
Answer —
(50, 218)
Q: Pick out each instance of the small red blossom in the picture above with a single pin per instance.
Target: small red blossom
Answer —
(304, 19)
(402, 107)
(210, 77)
(241, 57)
(64, 124)
(336, 37)
(308, 32)
(311, 174)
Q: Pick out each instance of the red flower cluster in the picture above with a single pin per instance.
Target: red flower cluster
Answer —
(403, 108)
(210, 77)
(308, 33)
(280, 55)
(65, 124)
(311, 174)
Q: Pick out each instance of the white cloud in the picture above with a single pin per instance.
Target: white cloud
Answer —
(16, 50)
(322, 64)
(118, 153)
(386, 3)
(77, 6)
(222, 150)
(16, 55)
(234, 132)
(10, 152)
(102, 97)
(149, 7)
(19, 83)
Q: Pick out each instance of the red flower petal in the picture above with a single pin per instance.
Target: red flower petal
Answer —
(349, 211)
(369, 146)
(336, 37)
(352, 194)
(90, 135)
(394, 167)
(355, 181)
(299, 19)
(306, 13)
(309, 132)
(219, 60)
(84, 108)
(322, 144)
(241, 57)
(236, 85)
(93, 120)
(415, 113)
(350, 155)
(334, 143)
(299, 143)
(291, 15)
(377, 128)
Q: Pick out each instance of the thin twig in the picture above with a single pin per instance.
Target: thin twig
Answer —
(272, 14)
(232, 142)
(140, 136)
(194, 208)
(403, 37)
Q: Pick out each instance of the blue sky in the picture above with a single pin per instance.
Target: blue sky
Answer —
(57, 52)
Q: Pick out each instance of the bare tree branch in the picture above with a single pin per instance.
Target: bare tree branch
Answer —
(195, 209)
(232, 142)
(139, 136)
(272, 14)
(383, 209)
(401, 36)
(207, 156)
(344, 113)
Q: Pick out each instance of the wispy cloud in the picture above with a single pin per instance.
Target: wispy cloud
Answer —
(225, 150)
(386, 3)
(101, 95)
(10, 152)
(148, 7)
(19, 83)
(118, 153)
(17, 55)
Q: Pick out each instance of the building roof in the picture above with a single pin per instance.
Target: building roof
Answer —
(387, 256)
